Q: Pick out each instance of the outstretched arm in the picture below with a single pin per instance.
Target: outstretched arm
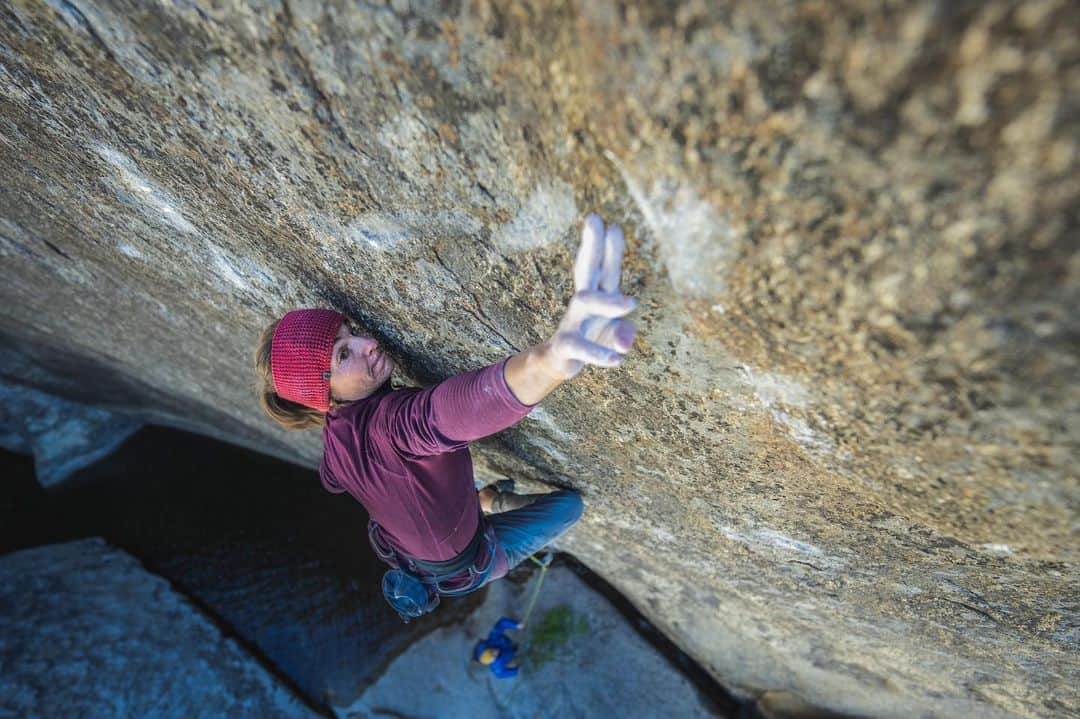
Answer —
(529, 376)
(481, 402)
(591, 331)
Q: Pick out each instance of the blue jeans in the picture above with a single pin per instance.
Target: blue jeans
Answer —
(525, 531)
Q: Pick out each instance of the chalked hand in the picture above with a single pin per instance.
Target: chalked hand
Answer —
(592, 331)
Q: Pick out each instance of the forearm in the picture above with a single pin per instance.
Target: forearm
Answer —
(530, 375)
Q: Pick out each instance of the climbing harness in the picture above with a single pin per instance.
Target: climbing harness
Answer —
(413, 586)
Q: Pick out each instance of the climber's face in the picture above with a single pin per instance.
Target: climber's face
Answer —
(357, 366)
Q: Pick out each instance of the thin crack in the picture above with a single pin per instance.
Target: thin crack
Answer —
(540, 272)
(486, 192)
(57, 250)
(808, 564)
(78, 16)
(967, 606)
(479, 313)
(517, 300)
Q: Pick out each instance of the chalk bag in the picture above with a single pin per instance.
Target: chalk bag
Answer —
(409, 597)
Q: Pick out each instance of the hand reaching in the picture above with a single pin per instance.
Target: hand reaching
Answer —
(591, 332)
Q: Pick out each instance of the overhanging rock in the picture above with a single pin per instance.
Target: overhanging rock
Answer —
(840, 462)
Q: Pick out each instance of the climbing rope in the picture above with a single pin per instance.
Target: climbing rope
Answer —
(544, 564)
(499, 639)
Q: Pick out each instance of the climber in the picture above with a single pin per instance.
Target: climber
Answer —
(497, 651)
(404, 453)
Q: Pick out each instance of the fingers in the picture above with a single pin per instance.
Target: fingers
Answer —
(606, 304)
(614, 244)
(599, 259)
(593, 303)
(619, 335)
(590, 255)
(615, 334)
(591, 331)
(575, 347)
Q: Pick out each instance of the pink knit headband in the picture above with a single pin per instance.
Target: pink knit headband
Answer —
(300, 356)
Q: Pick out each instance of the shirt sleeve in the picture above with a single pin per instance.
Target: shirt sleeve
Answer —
(446, 417)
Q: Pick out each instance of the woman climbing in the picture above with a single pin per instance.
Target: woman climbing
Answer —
(404, 453)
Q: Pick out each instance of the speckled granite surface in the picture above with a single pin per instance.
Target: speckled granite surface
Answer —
(842, 461)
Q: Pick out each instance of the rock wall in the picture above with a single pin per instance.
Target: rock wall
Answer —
(841, 463)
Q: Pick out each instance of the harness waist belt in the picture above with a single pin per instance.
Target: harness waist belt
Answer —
(453, 577)
(456, 564)
(465, 560)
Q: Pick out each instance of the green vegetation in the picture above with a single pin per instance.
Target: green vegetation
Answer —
(558, 626)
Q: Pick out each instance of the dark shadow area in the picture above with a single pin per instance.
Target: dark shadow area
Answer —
(282, 566)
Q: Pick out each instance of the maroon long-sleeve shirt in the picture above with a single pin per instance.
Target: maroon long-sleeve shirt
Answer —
(404, 455)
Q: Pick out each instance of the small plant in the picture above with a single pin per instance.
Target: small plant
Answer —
(558, 626)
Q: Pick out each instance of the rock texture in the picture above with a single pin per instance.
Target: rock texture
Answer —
(86, 631)
(63, 436)
(841, 463)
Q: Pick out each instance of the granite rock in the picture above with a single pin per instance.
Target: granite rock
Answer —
(87, 632)
(63, 436)
(839, 464)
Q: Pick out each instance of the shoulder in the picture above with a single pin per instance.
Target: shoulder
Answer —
(360, 429)
(381, 411)
(353, 415)
(326, 476)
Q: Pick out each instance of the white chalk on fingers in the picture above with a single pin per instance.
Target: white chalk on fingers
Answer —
(606, 304)
(590, 256)
(611, 270)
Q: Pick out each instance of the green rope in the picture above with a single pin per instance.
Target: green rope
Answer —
(536, 590)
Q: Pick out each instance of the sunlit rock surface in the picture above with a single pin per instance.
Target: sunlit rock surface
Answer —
(841, 461)
(86, 631)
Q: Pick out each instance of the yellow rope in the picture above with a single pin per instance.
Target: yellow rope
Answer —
(536, 589)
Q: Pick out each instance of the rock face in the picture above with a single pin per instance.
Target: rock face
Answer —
(841, 462)
(87, 632)
(63, 436)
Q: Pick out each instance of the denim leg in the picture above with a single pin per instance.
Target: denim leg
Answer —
(522, 532)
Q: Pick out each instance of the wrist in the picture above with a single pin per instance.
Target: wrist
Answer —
(532, 375)
(546, 362)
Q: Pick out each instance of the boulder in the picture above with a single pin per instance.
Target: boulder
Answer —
(63, 436)
(87, 632)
